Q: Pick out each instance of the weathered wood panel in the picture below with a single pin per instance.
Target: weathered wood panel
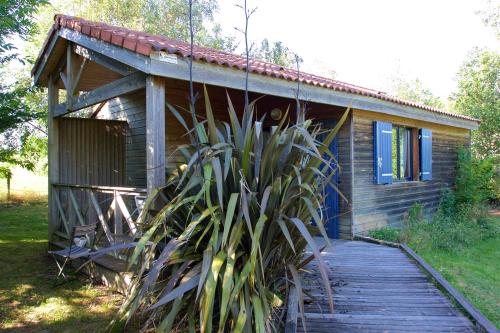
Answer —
(377, 206)
(345, 179)
(91, 152)
(375, 289)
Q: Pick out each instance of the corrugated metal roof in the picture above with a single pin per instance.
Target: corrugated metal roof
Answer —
(144, 44)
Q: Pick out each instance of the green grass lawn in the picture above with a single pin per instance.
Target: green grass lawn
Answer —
(28, 300)
(475, 272)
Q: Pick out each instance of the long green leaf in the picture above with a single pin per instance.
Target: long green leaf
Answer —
(231, 206)
(322, 266)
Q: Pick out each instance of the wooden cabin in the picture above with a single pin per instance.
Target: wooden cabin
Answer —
(111, 137)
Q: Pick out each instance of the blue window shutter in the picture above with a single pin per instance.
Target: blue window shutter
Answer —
(425, 154)
(382, 152)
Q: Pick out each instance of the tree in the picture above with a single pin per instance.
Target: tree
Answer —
(274, 52)
(491, 17)
(17, 23)
(414, 90)
(478, 96)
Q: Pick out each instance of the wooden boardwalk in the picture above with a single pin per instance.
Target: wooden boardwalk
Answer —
(376, 289)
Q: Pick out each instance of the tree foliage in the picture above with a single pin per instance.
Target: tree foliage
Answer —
(478, 96)
(491, 16)
(160, 17)
(274, 52)
(17, 23)
(414, 90)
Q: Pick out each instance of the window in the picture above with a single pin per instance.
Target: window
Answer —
(401, 153)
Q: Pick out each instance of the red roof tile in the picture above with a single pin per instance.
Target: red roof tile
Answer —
(144, 44)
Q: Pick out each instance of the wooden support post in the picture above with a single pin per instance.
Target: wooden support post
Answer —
(53, 155)
(155, 132)
(71, 63)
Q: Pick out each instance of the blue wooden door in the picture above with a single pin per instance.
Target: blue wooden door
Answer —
(331, 207)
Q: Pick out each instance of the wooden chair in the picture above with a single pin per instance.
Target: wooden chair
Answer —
(74, 251)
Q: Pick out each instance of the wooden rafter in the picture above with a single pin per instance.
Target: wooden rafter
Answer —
(104, 61)
(97, 110)
(101, 94)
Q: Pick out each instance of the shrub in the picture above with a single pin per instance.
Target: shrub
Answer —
(461, 217)
(389, 234)
(477, 179)
(231, 236)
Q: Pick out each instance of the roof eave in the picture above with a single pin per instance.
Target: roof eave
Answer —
(177, 67)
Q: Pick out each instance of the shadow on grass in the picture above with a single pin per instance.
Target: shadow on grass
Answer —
(29, 302)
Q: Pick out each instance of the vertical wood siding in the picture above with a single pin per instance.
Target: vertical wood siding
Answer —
(132, 109)
(376, 206)
(91, 152)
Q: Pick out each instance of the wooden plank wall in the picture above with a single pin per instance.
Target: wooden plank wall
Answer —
(91, 152)
(375, 206)
(344, 158)
(132, 108)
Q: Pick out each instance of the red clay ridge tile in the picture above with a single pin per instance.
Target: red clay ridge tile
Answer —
(95, 32)
(106, 35)
(117, 37)
(86, 28)
(130, 42)
(143, 48)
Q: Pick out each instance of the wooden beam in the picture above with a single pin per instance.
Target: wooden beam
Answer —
(126, 213)
(104, 61)
(116, 88)
(118, 216)
(97, 110)
(70, 75)
(78, 75)
(155, 132)
(62, 214)
(101, 217)
(45, 57)
(64, 80)
(53, 156)
(73, 200)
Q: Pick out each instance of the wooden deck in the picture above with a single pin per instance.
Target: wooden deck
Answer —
(376, 289)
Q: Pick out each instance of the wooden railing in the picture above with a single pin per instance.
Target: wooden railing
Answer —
(115, 208)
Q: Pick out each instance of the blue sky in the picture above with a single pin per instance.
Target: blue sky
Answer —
(367, 42)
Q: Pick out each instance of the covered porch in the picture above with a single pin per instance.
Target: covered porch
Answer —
(113, 139)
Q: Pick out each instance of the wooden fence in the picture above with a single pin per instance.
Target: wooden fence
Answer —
(115, 208)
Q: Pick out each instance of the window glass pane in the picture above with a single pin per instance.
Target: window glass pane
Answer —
(407, 153)
(401, 153)
(394, 152)
(401, 156)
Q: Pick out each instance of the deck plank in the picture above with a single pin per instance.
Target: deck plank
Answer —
(376, 289)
